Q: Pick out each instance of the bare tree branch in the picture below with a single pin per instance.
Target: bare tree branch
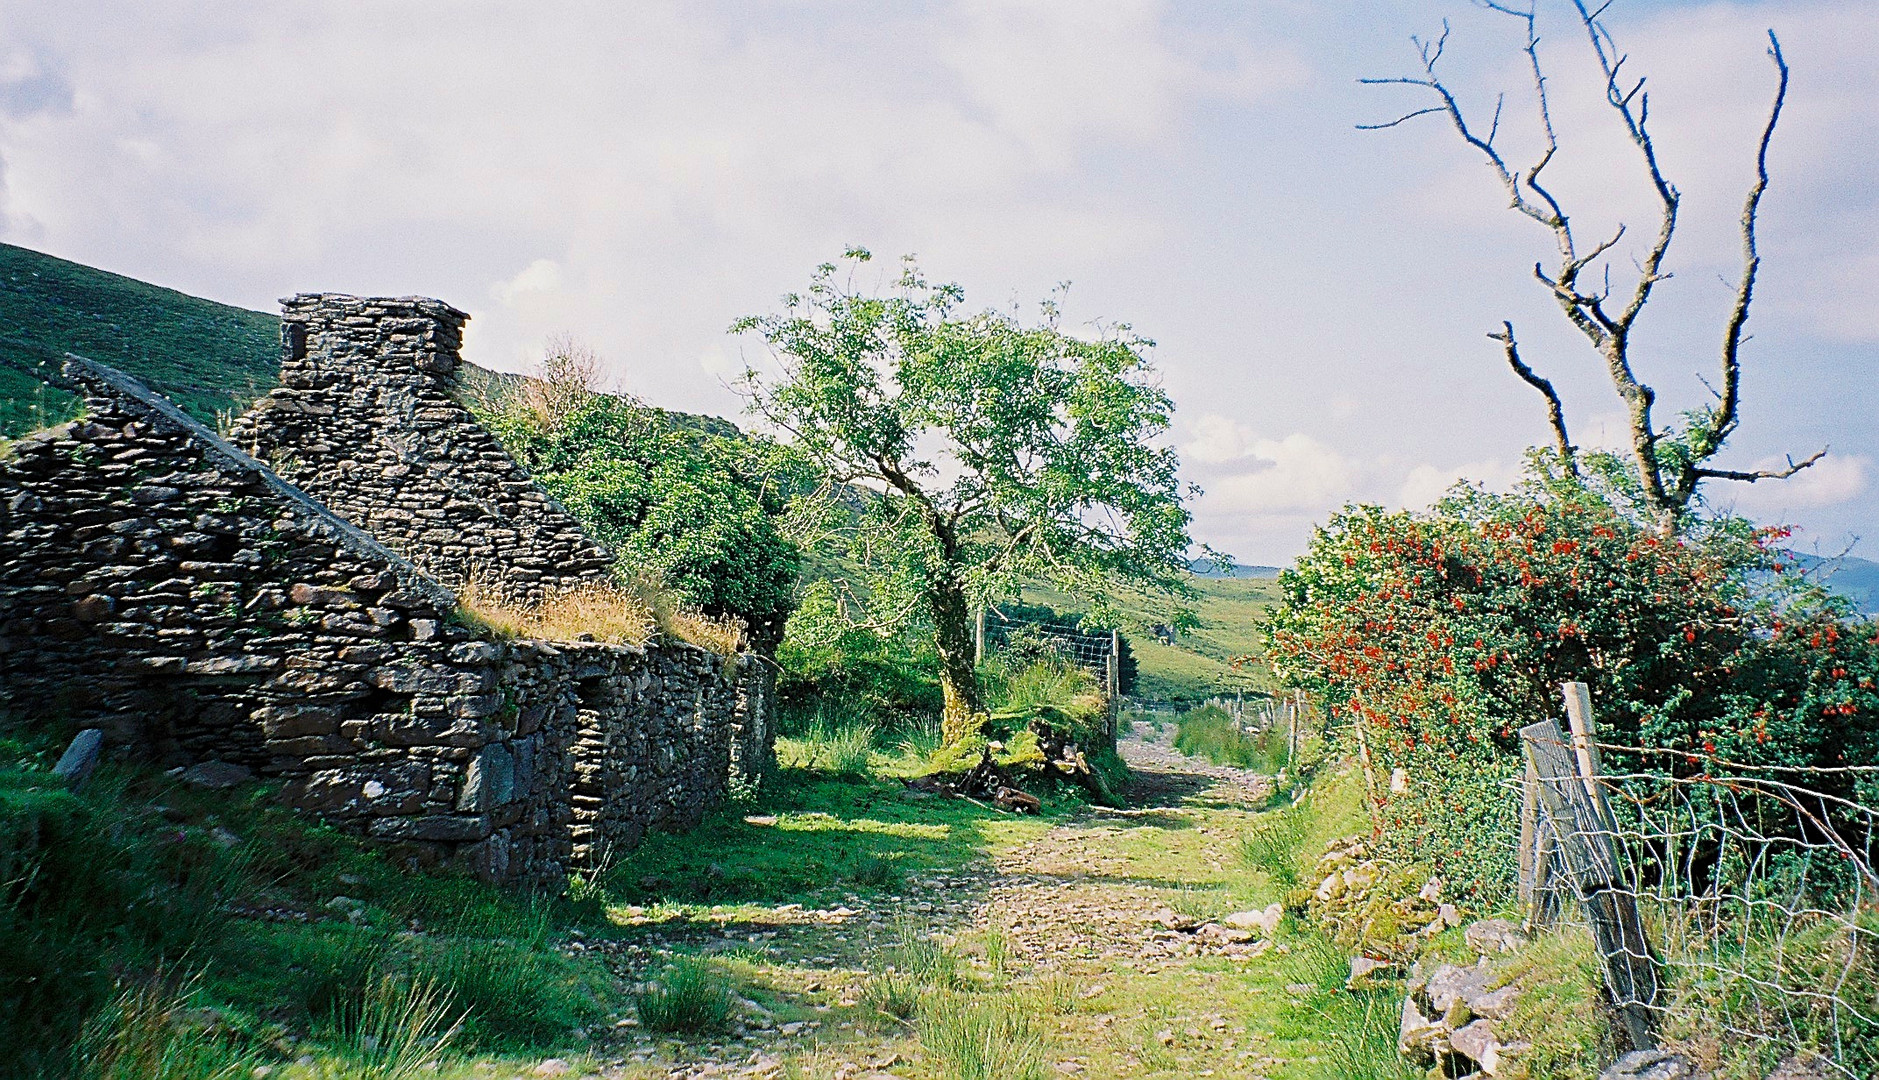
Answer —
(1669, 475)
(1725, 418)
(1750, 476)
(1555, 411)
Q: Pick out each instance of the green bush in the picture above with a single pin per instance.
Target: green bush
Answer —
(1441, 633)
(692, 507)
(828, 664)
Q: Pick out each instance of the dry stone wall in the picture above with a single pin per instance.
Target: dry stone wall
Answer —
(368, 421)
(160, 584)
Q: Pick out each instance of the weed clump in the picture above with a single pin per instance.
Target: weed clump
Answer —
(1273, 846)
(982, 1040)
(893, 995)
(397, 1029)
(916, 955)
(689, 997)
(148, 1032)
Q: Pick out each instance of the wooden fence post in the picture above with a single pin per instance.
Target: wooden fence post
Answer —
(1575, 807)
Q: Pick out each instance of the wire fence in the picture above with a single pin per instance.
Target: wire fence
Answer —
(1094, 652)
(1735, 907)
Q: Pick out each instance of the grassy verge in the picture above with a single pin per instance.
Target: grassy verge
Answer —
(143, 921)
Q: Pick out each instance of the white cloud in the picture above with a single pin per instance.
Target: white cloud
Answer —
(1217, 439)
(540, 276)
(1295, 473)
(1427, 483)
(1831, 481)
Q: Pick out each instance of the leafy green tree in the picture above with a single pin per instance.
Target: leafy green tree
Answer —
(997, 451)
(691, 508)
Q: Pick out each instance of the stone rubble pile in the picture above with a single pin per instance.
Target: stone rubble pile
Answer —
(1449, 1017)
(1372, 906)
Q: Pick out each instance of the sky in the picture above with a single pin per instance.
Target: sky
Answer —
(639, 175)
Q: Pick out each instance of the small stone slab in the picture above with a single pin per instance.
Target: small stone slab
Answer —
(1490, 936)
(1479, 1043)
(80, 758)
(1653, 1065)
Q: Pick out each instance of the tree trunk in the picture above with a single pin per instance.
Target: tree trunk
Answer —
(964, 712)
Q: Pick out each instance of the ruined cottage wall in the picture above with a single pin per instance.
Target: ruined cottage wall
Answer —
(366, 420)
(161, 585)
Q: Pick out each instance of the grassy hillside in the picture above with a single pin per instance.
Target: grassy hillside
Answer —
(210, 358)
(1198, 664)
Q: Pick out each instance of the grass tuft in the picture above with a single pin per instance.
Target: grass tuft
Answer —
(148, 1032)
(917, 955)
(397, 1029)
(1055, 994)
(970, 1040)
(1273, 845)
(892, 994)
(689, 997)
(836, 748)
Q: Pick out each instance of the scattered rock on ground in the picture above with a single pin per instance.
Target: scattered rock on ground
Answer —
(1490, 936)
(1653, 1065)
(1800, 1067)
(1266, 922)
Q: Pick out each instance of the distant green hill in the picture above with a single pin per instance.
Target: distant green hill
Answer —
(209, 358)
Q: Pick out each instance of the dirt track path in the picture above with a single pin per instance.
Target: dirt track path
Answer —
(1071, 922)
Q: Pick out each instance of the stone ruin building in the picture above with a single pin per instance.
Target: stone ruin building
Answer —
(289, 606)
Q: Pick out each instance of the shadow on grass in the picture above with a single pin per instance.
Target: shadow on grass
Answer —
(812, 839)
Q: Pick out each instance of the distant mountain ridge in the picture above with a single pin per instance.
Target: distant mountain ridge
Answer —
(1207, 568)
(1855, 578)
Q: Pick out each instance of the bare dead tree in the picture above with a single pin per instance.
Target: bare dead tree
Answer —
(1672, 463)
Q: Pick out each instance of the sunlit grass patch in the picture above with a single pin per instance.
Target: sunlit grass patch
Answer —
(838, 749)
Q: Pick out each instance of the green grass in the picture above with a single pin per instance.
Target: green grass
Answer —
(689, 997)
(107, 894)
(210, 358)
(396, 1029)
(1274, 845)
(1201, 663)
(812, 838)
(1211, 732)
(969, 1039)
(834, 747)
